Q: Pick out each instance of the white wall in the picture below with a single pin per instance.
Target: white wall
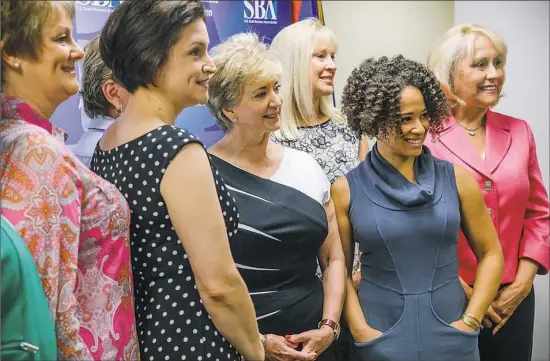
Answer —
(525, 27)
(375, 28)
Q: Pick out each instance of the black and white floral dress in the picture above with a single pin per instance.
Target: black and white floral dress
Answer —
(334, 146)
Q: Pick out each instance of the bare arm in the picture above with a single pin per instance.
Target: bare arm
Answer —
(353, 313)
(331, 259)
(198, 221)
(483, 239)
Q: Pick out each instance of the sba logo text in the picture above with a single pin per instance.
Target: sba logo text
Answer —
(260, 10)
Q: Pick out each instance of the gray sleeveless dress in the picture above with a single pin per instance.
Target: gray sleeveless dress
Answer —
(409, 289)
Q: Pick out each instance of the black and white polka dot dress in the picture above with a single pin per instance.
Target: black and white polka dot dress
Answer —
(171, 320)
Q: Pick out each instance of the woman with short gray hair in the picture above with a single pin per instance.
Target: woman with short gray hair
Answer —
(103, 100)
(286, 214)
(99, 88)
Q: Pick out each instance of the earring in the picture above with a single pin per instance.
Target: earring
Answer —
(120, 111)
(234, 120)
(16, 65)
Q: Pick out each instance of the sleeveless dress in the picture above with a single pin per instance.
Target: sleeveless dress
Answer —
(408, 234)
(335, 147)
(171, 320)
(281, 230)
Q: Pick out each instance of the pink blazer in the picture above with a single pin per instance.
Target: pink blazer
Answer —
(511, 182)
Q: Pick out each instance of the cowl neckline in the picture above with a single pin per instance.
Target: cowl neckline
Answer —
(391, 189)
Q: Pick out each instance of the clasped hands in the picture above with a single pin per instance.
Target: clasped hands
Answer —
(504, 305)
(306, 346)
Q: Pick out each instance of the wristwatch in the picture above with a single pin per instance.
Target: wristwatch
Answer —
(334, 325)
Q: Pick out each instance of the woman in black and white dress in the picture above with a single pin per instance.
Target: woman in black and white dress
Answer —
(191, 302)
(287, 219)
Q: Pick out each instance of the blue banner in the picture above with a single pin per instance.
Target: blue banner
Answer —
(223, 19)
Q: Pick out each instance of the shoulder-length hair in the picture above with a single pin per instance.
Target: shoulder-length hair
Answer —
(295, 45)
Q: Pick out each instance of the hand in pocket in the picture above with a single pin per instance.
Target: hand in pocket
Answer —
(367, 335)
(460, 325)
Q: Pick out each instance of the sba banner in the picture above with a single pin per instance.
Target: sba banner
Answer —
(223, 19)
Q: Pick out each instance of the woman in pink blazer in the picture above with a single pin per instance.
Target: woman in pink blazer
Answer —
(500, 152)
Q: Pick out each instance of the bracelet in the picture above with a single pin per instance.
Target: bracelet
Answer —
(478, 322)
(334, 325)
(470, 321)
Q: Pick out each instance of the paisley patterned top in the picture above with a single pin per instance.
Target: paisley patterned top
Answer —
(76, 226)
(333, 145)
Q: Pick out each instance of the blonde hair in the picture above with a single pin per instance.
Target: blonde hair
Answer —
(240, 60)
(295, 45)
(451, 48)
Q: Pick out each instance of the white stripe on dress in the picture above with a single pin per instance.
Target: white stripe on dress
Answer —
(254, 230)
(248, 194)
(255, 268)
(260, 293)
(269, 314)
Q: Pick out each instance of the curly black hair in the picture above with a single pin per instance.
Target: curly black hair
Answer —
(372, 95)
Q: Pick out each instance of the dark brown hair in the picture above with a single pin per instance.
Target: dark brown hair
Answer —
(372, 96)
(137, 38)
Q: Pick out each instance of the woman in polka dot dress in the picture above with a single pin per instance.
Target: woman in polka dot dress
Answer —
(191, 303)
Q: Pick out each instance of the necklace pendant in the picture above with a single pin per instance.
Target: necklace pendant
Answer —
(471, 132)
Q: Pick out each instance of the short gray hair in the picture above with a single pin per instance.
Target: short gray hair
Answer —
(240, 60)
(94, 74)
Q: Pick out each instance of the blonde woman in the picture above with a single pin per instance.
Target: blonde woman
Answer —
(499, 151)
(309, 121)
(286, 213)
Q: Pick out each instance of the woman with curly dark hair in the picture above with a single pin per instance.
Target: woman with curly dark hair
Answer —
(404, 207)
